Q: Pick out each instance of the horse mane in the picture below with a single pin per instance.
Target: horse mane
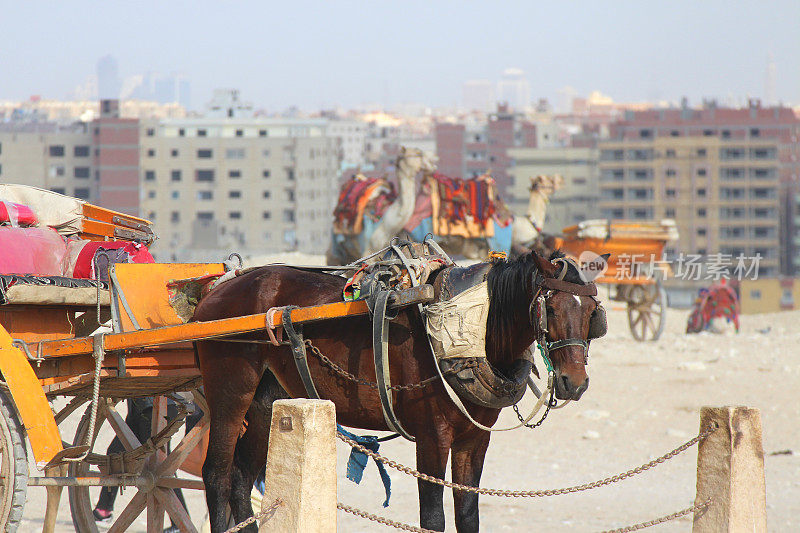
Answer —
(509, 284)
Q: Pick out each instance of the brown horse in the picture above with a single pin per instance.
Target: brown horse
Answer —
(242, 380)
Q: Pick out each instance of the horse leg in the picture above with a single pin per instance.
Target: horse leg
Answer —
(466, 465)
(251, 450)
(431, 460)
(230, 393)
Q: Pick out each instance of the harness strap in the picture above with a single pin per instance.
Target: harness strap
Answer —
(380, 348)
(590, 289)
(299, 352)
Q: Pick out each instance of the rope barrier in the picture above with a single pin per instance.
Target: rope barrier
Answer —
(529, 493)
(262, 515)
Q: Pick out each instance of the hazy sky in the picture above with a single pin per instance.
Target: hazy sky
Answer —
(323, 53)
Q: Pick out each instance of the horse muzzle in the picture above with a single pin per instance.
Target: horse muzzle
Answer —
(567, 389)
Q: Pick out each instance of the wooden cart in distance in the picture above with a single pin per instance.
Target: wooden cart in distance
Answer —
(635, 270)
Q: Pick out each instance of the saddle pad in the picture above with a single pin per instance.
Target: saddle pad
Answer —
(457, 327)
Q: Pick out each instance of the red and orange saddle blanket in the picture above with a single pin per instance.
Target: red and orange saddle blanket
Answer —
(464, 208)
(361, 196)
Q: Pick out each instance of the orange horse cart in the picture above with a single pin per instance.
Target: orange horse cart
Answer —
(57, 358)
(635, 270)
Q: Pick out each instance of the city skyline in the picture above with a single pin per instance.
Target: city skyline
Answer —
(349, 54)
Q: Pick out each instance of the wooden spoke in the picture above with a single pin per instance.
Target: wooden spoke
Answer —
(176, 512)
(129, 514)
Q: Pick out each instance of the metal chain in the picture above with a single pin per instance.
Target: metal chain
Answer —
(550, 403)
(264, 512)
(660, 520)
(382, 520)
(361, 381)
(529, 493)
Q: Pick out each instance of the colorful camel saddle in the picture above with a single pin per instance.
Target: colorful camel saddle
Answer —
(717, 301)
(361, 196)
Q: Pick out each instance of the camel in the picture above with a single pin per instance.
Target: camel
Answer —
(347, 248)
(526, 230)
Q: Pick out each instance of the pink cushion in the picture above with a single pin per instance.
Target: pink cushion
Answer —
(31, 251)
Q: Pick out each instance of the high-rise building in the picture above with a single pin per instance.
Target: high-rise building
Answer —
(514, 89)
(723, 174)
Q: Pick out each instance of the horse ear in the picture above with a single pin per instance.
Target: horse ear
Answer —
(544, 266)
(605, 257)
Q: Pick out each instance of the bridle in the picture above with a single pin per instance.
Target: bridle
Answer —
(545, 288)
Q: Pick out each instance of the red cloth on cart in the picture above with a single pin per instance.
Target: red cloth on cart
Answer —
(117, 252)
(17, 214)
(31, 251)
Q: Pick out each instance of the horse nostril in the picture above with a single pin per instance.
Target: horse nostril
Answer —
(566, 384)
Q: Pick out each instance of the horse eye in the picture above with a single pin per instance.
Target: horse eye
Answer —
(550, 311)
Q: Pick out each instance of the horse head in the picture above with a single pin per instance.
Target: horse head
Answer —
(412, 160)
(567, 316)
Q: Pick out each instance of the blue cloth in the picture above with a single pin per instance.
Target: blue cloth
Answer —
(424, 227)
(358, 461)
(501, 242)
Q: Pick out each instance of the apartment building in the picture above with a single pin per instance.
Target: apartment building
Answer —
(50, 156)
(576, 201)
(720, 173)
(467, 151)
(250, 185)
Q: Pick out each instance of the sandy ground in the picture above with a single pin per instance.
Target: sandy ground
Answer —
(644, 400)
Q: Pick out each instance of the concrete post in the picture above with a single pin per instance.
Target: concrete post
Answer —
(301, 467)
(730, 470)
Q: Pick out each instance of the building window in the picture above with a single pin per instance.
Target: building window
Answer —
(669, 212)
(701, 193)
(288, 215)
(205, 216)
(82, 193)
(150, 175)
(670, 154)
(205, 195)
(669, 193)
(57, 150)
(81, 172)
(234, 194)
(701, 172)
(151, 153)
(81, 151)
(754, 132)
(290, 174)
(59, 190)
(235, 153)
(235, 215)
(675, 133)
(701, 212)
(262, 133)
(175, 216)
(726, 134)
(234, 174)
(202, 133)
(151, 194)
(266, 194)
(265, 173)
(175, 195)
(701, 152)
(174, 153)
(265, 153)
(175, 175)
(205, 153)
(204, 175)
(240, 133)
(151, 132)
(290, 195)
(670, 172)
(701, 232)
(57, 170)
(266, 215)
(181, 132)
(645, 134)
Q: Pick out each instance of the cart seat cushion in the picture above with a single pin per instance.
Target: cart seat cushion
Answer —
(51, 290)
(31, 251)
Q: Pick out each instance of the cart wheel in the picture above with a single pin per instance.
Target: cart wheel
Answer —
(81, 500)
(13, 465)
(647, 306)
